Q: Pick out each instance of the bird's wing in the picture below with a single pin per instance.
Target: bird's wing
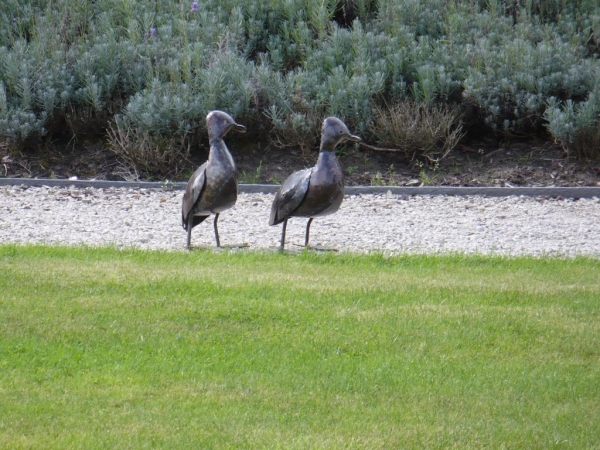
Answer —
(192, 193)
(290, 196)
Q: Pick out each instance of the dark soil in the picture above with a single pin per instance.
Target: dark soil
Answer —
(470, 164)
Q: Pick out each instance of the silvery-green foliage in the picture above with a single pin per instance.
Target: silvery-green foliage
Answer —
(343, 74)
(561, 120)
(576, 125)
(423, 17)
(320, 13)
(285, 64)
(16, 123)
(34, 86)
(293, 110)
(542, 10)
(174, 106)
(510, 76)
(163, 108)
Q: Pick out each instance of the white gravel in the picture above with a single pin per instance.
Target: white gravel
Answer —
(148, 218)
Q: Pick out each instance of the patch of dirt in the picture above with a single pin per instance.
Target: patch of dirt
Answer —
(471, 164)
(88, 161)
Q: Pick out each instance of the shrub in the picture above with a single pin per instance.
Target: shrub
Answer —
(429, 131)
(576, 125)
(281, 66)
(144, 153)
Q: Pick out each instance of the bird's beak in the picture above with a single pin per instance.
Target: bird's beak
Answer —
(239, 128)
(353, 138)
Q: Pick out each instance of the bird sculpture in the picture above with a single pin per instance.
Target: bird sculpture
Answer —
(213, 187)
(317, 191)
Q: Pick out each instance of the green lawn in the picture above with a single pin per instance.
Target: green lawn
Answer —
(101, 348)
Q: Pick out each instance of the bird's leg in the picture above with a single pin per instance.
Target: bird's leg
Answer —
(190, 221)
(217, 230)
(283, 235)
(307, 232)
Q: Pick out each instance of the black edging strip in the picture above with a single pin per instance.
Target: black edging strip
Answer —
(565, 192)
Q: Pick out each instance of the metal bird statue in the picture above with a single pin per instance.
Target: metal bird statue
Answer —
(213, 186)
(317, 191)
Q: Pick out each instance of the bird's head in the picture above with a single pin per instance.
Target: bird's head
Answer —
(219, 123)
(335, 131)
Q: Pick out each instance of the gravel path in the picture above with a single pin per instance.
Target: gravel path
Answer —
(150, 218)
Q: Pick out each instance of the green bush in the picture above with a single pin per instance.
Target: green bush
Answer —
(280, 66)
(576, 125)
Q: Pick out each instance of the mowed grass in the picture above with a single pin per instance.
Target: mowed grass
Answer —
(101, 348)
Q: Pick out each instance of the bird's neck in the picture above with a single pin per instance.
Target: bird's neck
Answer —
(327, 158)
(328, 170)
(216, 142)
(219, 153)
(329, 141)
